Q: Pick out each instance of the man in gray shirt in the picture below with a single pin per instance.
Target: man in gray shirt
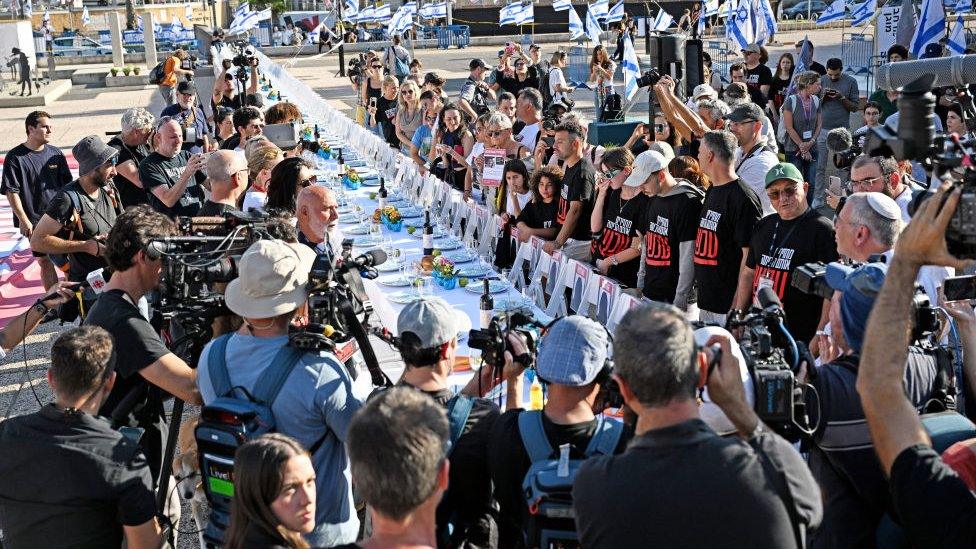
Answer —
(839, 100)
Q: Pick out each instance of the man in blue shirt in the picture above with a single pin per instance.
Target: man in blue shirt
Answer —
(316, 403)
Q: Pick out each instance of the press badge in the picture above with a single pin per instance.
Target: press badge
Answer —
(807, 135)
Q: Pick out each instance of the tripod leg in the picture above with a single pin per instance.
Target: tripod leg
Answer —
(166, 469)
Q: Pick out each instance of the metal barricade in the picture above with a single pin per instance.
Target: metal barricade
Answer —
(722, 58)
(453, 35)
(578, 65)
(857, 53)
(376, 35)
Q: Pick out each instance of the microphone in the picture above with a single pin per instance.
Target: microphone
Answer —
(96, 279)
(768, 299)
(958, 70)
(369, 259)
(839, 140)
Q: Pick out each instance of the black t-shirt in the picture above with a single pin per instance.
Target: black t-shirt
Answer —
(386, 110)
(468, 500)
(158, 170)
(215, 209)
(97, 218)
(728, 216)
(189, 117)
(818, 68)
(513, 85)
(137, 346)
(129, 193)
(666, 223)
(231, 142)
(777, 248)
(509, 463)
(539, 215)
(578, 186)
(36, 176)
(70, 480)
(759, 76)
(619, 228)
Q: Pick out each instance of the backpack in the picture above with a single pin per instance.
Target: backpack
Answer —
(235, 417)
(612, 108)
(548, 486)
(401, 68)
(544, 89)
(781, 135)
(157, 74)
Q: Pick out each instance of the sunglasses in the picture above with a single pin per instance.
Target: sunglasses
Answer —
(659, 128)
(610, 174)
(406, 92)
(788, 191)
(495, 133)
(310, 181)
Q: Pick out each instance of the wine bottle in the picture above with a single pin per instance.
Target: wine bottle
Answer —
(487, 306)
(342, 163)
(317, 136)
(428, 234)
(382, 194)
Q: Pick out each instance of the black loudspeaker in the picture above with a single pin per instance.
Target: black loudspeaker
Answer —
(667, 55)
(694, 66)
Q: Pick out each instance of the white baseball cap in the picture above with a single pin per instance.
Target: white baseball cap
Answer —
(702, 91)
(646, 163)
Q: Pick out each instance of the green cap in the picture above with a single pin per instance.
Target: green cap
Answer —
(783, 170)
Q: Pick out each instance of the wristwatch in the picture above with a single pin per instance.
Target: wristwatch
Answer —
(41, 307)
(613, 260)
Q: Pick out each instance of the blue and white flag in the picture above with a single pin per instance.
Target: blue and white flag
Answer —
(508, 15)
(600, 8)
(768, 22)
(931, 27)
(616, 13)
(525, 15)
(241, 11)
(802, 65)
(436, 10)
(243, 24)
(85, 16)
(834, 12)
(743, 22)
(382, 13)
(957, 39)
(864, 12)
(662, 21)
(366, 15)
(593, 30)
(964, 6)
(350, 10)
(402, 19)
(177, 26)
(711, 8)
(562, 5)
(575, 25)
(631, 68)
(28, 8)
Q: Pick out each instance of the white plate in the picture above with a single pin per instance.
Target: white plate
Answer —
(506, 304)
(395, 281)
(348, 218)
(357, 230)
(367, 240)
(345, 210)
(446, 244)
(388, 266)
(461, 256)
(370, 182)
(415, 222)
(494, 286)
(474, 271)
(411, 211)
(404, 297)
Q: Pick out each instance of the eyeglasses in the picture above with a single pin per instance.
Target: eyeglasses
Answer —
(863, 182)
(788, 191)
(660, 127)
(406, 92)
(313, 180)
(610, 174)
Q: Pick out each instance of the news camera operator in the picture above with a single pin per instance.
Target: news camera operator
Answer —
(189, 115)
(67, 478)
(427, 331)
(934, 506)
(316, 402)
(225, 92)
(573, 364)
(752, 490)
(172, 177)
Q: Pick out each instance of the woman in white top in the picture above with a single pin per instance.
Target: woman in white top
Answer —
(262, 157)
(558, 88)
(408, 116)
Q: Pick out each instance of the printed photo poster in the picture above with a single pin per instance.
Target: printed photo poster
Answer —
(495, 159)
(623, 303)
(580, 274)
(606, 296)
(536, 243)
(513, 235)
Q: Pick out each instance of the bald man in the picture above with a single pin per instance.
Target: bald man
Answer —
(227, 172)
(318, 213)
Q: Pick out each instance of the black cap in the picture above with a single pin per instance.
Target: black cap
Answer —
(745, 111)
(475, 63)
(254, 100)
(186, 87)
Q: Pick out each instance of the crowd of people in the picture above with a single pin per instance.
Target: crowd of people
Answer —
(725, 196)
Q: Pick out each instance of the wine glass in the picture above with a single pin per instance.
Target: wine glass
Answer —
(376, 232)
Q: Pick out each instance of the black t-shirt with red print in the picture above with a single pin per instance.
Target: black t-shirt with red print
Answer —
(777, 248)
(728, 217)
(578, 185)
(619, 228)
(667, 221)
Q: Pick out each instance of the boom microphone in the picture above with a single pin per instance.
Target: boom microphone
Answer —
(767, 298)
(958, 70)
(839, 140)
(369, 259)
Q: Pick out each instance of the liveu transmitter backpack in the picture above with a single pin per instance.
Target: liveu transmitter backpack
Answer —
(548, 486)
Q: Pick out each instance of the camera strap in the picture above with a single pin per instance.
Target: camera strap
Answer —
(377, 375)
(776, 477)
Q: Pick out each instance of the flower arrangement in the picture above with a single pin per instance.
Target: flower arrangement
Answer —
(444, 273)
(392, 219)
(351, 179)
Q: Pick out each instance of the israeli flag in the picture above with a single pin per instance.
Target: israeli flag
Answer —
(802, 65)
(863, 13)
(263, 15)
(575, 25)
(526, 15)
(593, 29)
(631, 68)
(768, 20)
(834, 12)
(245, 23)
(711, 8)
(366, 15)
(600, 8)
(85, 17)
(964, 6)
(662, 21)
(742, 23)
(616, 13)
(508, 15)
(957, 39)
(28, 8)
(382, 13)
(434, 11)
(931, 27)
(350, 10)
(241, 11)
(401, 20)
(562, 5)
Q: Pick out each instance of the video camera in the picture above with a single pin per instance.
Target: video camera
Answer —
(244, 58)
(649, 78)
(780, 401)
(493, 340)
(357, 66)
(946, 156)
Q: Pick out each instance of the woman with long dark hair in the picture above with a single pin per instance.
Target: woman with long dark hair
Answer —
(781, 82)
(274, 495)
(454, 143)
(687, 168)
(515, 186)
(601, 73)
(287, 179)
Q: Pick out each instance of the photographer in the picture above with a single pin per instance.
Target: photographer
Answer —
(172, 177)
(132, 143)
(225, 90)
(189, 115)
(66, 477)
(793, 236)
(146, 369)
(248, 122)
(576, 194)
(841, 457)
(934, 505)
(78, 219)
(474, 95)
(227, 172)
(748, 491)
(428, 331)
(572, 362)
(316, 402)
